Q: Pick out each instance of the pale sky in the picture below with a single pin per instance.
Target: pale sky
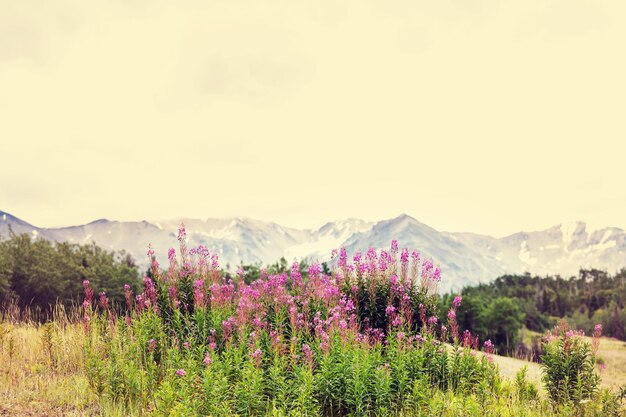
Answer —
(470, 115)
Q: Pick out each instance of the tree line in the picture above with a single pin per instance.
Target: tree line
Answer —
(500, 309)
(38, 274)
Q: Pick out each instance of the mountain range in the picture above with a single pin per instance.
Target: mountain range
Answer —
(465, 258)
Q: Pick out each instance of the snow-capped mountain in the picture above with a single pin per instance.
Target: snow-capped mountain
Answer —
(465, 258)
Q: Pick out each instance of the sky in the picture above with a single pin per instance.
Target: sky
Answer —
(489, 116)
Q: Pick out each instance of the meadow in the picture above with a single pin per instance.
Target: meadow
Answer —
(363, 340)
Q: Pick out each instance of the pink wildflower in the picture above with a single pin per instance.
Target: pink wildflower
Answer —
(457, 302)
(489, 349)
(257, 357)
(207, 360)
(182, 233)
(308, 354)
(103, 301)
(198, 293)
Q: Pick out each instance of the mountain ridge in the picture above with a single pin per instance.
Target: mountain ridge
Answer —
(465, 257)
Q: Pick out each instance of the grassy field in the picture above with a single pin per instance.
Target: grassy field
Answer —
(42, 371)
(611, 351)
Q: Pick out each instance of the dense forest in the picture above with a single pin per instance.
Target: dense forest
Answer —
(501, 309)
(37, 273)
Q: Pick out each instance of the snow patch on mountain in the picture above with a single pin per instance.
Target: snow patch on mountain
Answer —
(465, 258)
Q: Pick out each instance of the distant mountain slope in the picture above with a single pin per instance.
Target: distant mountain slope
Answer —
(465, 258)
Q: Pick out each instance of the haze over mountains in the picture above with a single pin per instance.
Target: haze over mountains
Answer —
(465, 258)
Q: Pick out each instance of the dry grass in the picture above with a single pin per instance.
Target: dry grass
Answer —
(613, 353)
(41, 370)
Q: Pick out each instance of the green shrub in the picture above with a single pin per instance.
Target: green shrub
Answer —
(568, 366)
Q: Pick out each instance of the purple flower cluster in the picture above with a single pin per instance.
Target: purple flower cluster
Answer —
(289, 313)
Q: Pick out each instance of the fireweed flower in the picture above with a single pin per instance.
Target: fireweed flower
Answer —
(467, 339)
(295, 275)
(489, 349)
(128, 295)
(393, 280)
(227, 327)
(404, 266)
(152, 345)
(207, 359)
(214, 262)
(150, 293)
(404, 257)
(103, 301)
(198, 293)
(173, 295)
(182, 233)
(325, 343)
(343, 258)
(314, 270)
(394, 246)
(422, 310)
(382, 264)
(437, 275)
(371, 254)
(139, 304)
(454, 325)
(308, 354)
(241, 273)
(427, 268)
(595, 343)
(257, 356)
(88, 294)
(181, 372)
(457, 302)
